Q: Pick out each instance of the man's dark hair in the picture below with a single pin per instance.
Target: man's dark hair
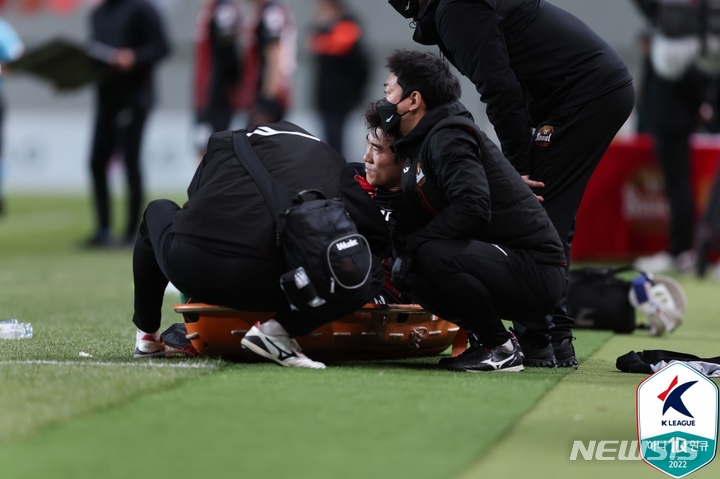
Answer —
(426, 73)
(374, 123)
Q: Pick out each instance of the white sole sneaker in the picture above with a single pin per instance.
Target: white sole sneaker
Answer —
(282, 350)
(147, 347)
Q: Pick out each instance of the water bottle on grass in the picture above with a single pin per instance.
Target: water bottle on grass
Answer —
(12, 329)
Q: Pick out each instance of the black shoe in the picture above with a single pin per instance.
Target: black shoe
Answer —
(535, 356)
(565, 353)
(539, 357)
(446, 361)
(474, 342)
(479, 359)
(98, 240)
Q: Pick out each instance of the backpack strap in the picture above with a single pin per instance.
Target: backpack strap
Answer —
(277, 197)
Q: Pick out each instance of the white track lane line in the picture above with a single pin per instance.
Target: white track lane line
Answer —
(140, 363)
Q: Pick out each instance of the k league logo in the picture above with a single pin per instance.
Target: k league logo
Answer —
(677, 420)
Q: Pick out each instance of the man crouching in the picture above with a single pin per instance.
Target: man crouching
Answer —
(474, 245)
(220, 247)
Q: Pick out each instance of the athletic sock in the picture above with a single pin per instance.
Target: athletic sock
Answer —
(272, 328)
(507, 345)
(156, 335)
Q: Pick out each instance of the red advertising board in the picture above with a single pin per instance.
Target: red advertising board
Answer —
(624, 212)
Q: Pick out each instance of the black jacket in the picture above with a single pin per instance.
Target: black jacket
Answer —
(527, 58)
(133, 24)
(342, 70)
(225, 206)
(457, 184)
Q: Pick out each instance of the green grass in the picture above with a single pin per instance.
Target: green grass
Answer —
(65, 416)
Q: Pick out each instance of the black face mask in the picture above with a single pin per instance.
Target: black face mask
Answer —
(406, 8)
(389, 115)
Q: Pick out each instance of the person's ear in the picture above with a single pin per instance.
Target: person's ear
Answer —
(415, 100)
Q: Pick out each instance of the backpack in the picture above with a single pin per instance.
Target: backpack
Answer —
(329, 262)
(598, 299)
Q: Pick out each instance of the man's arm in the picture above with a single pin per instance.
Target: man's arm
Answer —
(483, 58)
(460, 175)
(154, 46)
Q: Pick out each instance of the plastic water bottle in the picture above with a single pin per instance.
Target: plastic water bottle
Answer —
(11, 329)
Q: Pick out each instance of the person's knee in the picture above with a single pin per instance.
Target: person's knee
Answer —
(160, 211)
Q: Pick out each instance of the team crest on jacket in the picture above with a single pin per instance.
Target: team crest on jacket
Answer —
(543, 135)
(419, 176)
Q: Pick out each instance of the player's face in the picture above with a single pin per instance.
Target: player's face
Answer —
(381, 166)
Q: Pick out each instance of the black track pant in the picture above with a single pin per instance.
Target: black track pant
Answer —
(118, 127)
(672, 149)
(207, 272)
(334, 127)
(580, 138)
(476, 284)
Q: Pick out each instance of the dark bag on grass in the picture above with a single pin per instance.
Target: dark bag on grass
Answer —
(598, 299)
(329, 261)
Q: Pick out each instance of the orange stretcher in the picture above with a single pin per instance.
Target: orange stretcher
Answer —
(377, 331)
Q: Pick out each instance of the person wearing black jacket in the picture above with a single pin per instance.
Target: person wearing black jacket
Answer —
(134, 31)
(342, 67)
(556, 94)
(473, 244)
(671, 108)
(220, 247)
(217, 68)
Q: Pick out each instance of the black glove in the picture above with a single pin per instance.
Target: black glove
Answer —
(400, 270)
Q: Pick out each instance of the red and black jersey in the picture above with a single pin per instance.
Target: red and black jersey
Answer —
(270, 22)
(217, 62)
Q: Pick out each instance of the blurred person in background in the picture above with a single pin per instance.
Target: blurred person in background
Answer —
(556, 94)
(11, 47)
(671, 112)
(134, 31)
(269, 62)
(217, 68)
(342, 67)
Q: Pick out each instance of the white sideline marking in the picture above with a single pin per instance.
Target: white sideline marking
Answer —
(140, 363)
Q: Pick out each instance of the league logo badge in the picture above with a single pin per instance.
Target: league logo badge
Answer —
(544, 135)
(419, 176)
(677, 420)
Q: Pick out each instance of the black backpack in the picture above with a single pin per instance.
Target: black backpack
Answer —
(598, 299)
(329, 262)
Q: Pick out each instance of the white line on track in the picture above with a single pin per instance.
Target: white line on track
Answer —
(141, 363)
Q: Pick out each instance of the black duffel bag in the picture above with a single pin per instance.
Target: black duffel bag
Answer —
(598, 299)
